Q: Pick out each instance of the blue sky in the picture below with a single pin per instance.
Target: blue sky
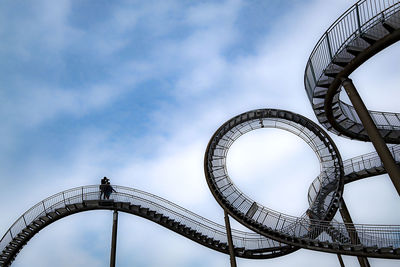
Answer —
(133, 90)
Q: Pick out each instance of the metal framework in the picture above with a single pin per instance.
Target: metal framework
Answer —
(315, 228)
(366, 28)
(362, 31)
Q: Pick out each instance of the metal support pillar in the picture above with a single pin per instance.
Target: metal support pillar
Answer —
(340, 260)
(373, 133)
(114, 239)
(352, 231)
(230, 241)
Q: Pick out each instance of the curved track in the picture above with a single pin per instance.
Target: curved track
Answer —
(361, 32)
(314, 229)
(140, 203)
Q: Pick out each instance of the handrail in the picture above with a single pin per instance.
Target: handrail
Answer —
(172, 210)
(312, 224)
(315, 227)
(355, 21)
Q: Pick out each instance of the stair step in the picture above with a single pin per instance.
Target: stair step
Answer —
(223, 245)
(341, 61)
(157, 217)
(332, 72)
(19, 238)
(319, 106)
(44, 218)
(37, 222)
(369, 38)
(143, 210)
(385, 250)
(52, 214)
(325, 83)
(15, 242)
(61, 211)
(70, 207)
(357, 248)
(125, 205)
(134, 207)
(320, 94)
(389, 26)
(80, 205)
(354, 50)
(28, 231)
(241, 249)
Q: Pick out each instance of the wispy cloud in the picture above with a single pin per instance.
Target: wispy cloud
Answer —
(135, 94)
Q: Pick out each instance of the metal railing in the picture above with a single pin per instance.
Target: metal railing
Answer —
(323, 191)
(328, 159)
(78, 195)
(356, 20)
(383, 120)
(368, 161)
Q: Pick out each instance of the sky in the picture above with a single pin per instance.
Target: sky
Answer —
(134, 90)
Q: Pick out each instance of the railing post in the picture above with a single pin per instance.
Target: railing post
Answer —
(23, 217)
(44, 208)
(312, 71)
(358, 18)
(82, 194)
(230, 241)
(329, 45)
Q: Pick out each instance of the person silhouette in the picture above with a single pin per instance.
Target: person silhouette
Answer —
(108, 190)
(103, 186)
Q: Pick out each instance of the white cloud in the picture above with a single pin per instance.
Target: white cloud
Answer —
(207, 86)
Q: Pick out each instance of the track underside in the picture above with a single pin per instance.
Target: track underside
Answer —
(361, 32)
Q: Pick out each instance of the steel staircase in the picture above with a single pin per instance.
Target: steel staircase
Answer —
(349, 42)
(139, 203)
(362, 31)
(314, 229)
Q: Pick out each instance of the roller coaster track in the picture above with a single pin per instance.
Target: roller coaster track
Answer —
(362, 31)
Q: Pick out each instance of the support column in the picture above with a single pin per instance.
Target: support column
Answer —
(230, 241)
(373, 133)
(340, 260)
(114, 239)
(352, 231)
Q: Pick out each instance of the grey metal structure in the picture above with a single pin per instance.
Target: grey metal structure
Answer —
(361, 32)
(315, 228)
(140, 203)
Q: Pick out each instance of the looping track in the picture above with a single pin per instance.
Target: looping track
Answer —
(361, 32)
(314, 230)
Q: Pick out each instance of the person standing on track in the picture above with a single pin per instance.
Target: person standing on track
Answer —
(103, 186)
(108, 190)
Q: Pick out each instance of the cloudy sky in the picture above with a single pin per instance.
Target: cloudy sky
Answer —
(133, 90)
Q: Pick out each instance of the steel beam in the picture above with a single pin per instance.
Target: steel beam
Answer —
(340, 260)
(373, 133)
(352, 231)
(230, 241)
(114, 239)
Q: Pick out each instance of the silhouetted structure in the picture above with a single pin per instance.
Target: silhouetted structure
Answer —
(362, 31)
